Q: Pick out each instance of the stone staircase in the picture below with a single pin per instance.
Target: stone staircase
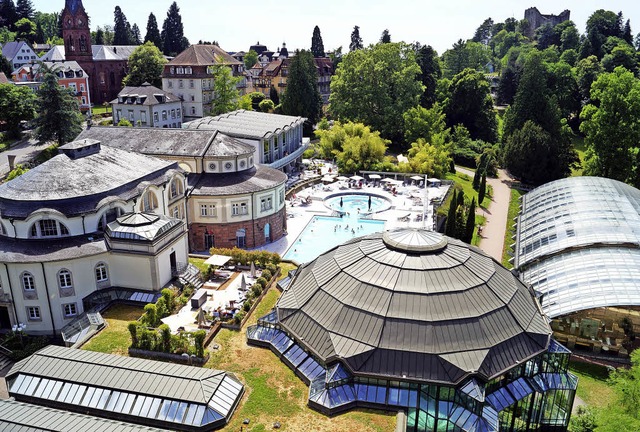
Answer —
(5, 361)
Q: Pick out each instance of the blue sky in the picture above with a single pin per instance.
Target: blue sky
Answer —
(238, 24)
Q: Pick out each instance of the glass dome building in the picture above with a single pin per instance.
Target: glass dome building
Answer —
(412, 320)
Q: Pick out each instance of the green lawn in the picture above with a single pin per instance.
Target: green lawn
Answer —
(581, 148)
(466, 184)
(101, 110)
(593, 388)
(199, 262)
(115, 338)
(514, 209)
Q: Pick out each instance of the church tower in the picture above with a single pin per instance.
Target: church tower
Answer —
(76, 32)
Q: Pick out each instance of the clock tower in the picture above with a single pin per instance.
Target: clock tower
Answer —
(76, 32)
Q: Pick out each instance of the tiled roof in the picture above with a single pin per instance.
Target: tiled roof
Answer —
(169, 141)
(203, 55)
(67, 183)
(255, 179)
(150, 93)
(413, 304)
(99, 52)
(60, 249)
(11, 49)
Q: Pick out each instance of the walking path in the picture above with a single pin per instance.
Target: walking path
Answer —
(25, 150)
(492, 238)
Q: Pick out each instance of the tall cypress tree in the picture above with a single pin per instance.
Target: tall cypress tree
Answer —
(153, 33)
(317, 47)
(450, 226)
(471, 222)
(173, 40)
(356, 40)
(24, 9)
(59, 117)
(136, 38)
(302, 97)
(483, 188)
(385, 37)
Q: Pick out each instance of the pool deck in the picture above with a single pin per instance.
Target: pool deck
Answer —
(298, 216)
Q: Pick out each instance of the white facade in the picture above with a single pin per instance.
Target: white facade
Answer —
(196, 94)
(23, 55)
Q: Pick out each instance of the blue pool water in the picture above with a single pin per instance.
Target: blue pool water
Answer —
(325, 232)
(357, 204)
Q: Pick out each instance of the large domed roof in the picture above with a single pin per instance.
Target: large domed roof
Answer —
(413, 304)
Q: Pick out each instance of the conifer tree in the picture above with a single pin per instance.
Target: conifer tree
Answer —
(136, 38)
(476, 178)
(471, 222)
(274, 96)
(317, 47)
(121, 28)
(483, 188)
(450, 226)
(173, 40)
(386, 37)
(8, 14)
(153, 33)
(302, 97)
(356, 40)
(59, 117)
(24, 9)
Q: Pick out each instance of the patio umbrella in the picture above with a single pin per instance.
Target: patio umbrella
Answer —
(327, 179)
(374, 176)
(217, 260)
(357, 177)
(340, 201)
(387, 180)
(343, 178)
(253, 269)
(243, 284)
(416, 177)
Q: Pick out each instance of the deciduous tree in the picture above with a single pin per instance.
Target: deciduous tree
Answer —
(250, 59)
(302, 97)
(145, 65)
(423, 123)
(375, 86)
(317, 47)
(470, 104)
(225, 90)
(59, 117)
(25, 30)
(17, 104)
(612, 127)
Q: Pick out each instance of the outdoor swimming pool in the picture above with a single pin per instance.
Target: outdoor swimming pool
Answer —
(355, 204)
(325, 232)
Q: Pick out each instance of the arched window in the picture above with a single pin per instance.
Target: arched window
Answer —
(241, 237)
(2, 230)
(28, 282)
(102, 275)
(64, 279)
(176, 189)
(149, 201)
(48, 228)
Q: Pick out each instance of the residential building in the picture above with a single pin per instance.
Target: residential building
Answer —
(190, 77)
(276, 139)
(231, 199)
(69, 73)
(147, 106)
(106, 65)
(124, 389)
(18, 53)
(410, 320)
(91, 220)
(578, 245)
(264, 55)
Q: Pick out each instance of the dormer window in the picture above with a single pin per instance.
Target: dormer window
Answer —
(180, 70)
(188, 70)
(48, 228)
(172, 70)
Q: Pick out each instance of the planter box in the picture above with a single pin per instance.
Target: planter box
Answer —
(162, 356)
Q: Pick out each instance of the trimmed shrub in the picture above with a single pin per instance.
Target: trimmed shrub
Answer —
(267, 275)
(262, 282)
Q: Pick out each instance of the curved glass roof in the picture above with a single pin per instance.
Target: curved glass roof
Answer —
(576, 212)
(412, 304)
(578, 243)
(140, 226)
(586, 278)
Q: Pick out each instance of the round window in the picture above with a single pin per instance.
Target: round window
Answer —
(212, 166)
(228, 165)
(242, 164)
(250, 161)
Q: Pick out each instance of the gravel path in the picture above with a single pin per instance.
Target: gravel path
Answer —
(493, 232)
